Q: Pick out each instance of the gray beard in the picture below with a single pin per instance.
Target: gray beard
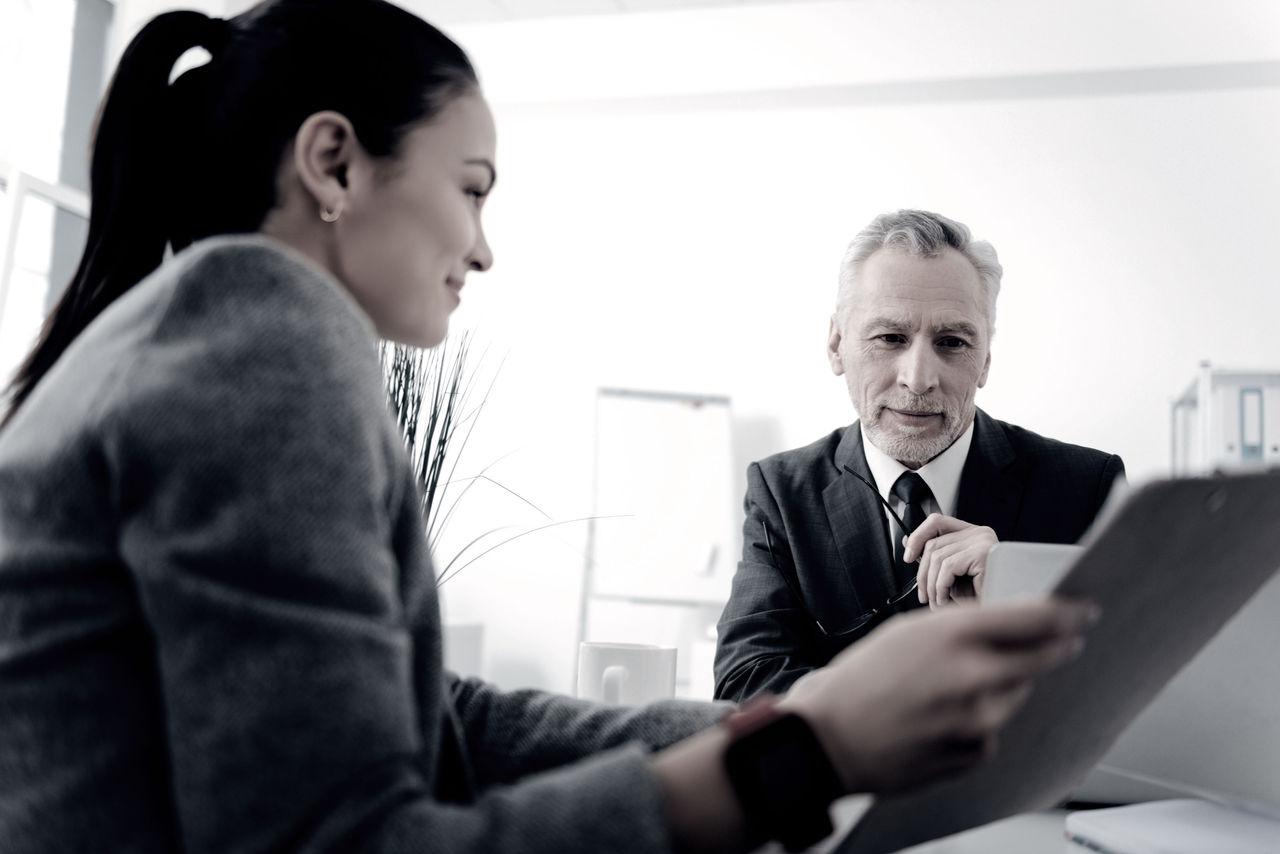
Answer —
(914, 450)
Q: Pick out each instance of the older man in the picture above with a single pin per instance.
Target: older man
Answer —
(826, 556)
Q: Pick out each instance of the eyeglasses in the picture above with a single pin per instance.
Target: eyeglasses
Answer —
(891, 604)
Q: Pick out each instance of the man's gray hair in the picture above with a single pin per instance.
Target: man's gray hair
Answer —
(925, 234)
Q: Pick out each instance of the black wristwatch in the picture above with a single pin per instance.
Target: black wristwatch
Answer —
(781, 774)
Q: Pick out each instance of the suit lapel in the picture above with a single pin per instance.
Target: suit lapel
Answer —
(858, 525)
(991, 486)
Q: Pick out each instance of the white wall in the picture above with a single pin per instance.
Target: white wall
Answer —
(686, 235)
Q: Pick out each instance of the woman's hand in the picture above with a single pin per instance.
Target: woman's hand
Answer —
(926, 693)
(921, 695)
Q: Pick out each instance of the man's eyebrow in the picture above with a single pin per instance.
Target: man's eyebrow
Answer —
(486, 163)
(894, 324)
(961, 327)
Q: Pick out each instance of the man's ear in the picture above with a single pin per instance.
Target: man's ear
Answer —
(323, 151)
(833, 347)
(986, 369)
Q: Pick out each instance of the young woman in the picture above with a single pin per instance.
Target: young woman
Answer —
(218, 621)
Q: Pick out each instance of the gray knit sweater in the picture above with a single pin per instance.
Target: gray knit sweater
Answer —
(219, 629)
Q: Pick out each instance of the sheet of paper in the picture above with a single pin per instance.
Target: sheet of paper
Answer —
(1169, 566)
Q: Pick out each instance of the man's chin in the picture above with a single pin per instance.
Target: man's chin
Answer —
(910, 445)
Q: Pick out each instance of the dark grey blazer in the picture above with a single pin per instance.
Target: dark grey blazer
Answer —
(219, 629)
(829, 537)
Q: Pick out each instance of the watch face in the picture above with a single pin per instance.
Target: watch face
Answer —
(781, 753)
(784, 781)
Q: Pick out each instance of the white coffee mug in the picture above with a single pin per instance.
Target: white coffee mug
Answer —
(626, 674)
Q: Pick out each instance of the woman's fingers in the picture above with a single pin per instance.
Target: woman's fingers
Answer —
(1028, 621)
(929, 691)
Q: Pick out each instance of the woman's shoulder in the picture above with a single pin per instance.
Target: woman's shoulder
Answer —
(256, 275)
(233, 334)
(234, 324)
(233, 307)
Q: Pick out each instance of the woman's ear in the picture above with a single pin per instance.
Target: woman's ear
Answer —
(323, 151)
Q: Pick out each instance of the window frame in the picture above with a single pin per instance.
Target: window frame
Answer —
(17, 185)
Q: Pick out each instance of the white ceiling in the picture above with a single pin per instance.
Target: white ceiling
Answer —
(462, 11)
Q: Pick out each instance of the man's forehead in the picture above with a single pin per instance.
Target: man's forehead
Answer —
(918, 291)
(931, 303)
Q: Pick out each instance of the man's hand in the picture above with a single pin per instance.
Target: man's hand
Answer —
(926, 693)
(949, 550)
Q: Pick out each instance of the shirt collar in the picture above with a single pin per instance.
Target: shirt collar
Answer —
(942, 473)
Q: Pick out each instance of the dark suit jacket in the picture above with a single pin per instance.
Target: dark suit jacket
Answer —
(831, 542)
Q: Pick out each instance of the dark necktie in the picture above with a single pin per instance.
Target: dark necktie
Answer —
(910, 489)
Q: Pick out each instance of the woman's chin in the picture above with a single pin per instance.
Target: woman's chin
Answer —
(424, 338)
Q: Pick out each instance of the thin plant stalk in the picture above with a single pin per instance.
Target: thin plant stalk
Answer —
(434, 524)
(430, 394)
(446, 574)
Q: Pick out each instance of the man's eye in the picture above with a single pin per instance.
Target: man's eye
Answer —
(952, 343)
(892, 338)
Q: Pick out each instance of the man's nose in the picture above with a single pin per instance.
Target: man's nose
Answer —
(918, 368)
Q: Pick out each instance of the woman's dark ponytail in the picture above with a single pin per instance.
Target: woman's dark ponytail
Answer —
(177, 162)
(128, 181)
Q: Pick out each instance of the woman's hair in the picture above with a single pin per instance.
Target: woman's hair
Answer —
(177, 161)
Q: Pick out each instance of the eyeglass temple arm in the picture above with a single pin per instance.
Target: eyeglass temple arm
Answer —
(914, 585)
(786, 579)
(887, 506)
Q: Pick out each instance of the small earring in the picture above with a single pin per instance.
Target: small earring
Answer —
(330, 215)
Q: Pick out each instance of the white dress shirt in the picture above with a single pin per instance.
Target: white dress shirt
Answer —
(942, 474)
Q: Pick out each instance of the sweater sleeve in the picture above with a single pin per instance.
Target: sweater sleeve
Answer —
(515, 733)
(257, 484)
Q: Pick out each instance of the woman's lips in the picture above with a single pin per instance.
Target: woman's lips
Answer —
(455, 288)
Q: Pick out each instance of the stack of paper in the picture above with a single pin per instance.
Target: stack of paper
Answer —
(1184, 826)
(1169, 565)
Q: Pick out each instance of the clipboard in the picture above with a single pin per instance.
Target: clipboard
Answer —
(1169, 564)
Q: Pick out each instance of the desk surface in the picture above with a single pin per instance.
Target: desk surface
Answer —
(1029, 833)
